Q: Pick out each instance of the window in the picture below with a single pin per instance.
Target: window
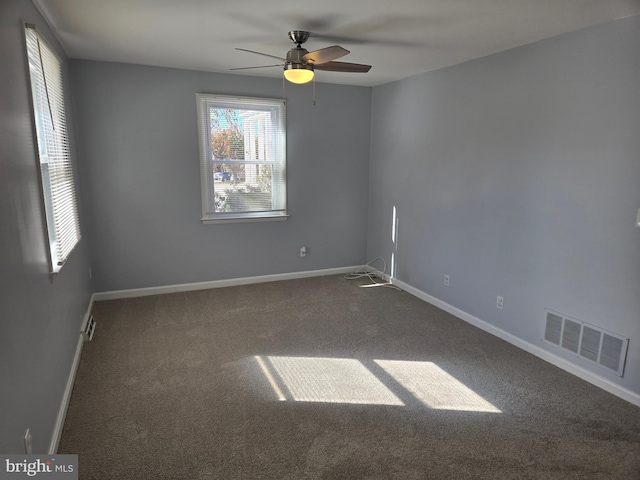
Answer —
(242, 158)
(56, 171)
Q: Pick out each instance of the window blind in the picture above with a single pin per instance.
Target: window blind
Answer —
(53, 148)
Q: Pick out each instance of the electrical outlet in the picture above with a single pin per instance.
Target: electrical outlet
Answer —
(446, 280)
(303, 251)
(500, 302)
(28, 447)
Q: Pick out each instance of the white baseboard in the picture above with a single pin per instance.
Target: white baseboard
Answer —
(66, 396)
(232, 282)
(539, 352)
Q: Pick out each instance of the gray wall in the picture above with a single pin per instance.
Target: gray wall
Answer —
(137, 137)
(519, 175)
(40, 316)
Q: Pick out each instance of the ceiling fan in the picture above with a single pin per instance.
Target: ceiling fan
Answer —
(299, 65)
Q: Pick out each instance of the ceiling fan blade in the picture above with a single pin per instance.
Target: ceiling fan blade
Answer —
(324, 55)
(260, 53)
(343, 67)
(260, 66)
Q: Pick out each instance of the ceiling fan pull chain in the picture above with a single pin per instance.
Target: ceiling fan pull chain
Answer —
(314, 91)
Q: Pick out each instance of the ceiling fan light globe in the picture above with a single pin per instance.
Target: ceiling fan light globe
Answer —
(298, 74)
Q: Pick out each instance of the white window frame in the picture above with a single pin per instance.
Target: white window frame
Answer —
(50, 127)
(277, 107)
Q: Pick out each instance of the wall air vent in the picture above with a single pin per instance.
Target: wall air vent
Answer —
(89, 328)
(595, 344)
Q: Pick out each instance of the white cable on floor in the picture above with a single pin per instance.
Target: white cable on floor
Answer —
(365, 272)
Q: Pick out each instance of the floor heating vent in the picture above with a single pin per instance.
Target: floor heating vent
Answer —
(607, 349)
(89, 328)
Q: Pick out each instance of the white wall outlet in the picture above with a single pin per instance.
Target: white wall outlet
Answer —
(446, 280)
(500, 302)
(28, 447)
(303, 251)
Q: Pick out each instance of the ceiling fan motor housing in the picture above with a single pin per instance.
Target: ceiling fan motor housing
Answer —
(295, 55)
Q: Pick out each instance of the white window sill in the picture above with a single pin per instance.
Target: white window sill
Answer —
(245, 218)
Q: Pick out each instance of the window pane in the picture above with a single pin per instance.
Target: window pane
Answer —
(227, 141)
(243, 188)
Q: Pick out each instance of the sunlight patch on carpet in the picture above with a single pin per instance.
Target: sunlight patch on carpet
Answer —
(328, 380)
(435, 387)
(270, 379)
(349, 381)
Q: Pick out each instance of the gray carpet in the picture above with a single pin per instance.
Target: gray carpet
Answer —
(320, 379)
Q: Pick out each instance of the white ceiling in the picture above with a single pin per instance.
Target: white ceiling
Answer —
(399, 38)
